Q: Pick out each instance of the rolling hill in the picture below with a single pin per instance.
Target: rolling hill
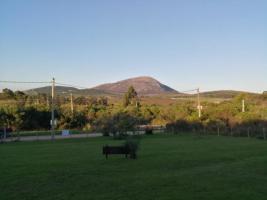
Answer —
(225, 94)
(144, 85)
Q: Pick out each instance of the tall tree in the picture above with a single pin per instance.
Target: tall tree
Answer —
(8, 93)
(130, 97)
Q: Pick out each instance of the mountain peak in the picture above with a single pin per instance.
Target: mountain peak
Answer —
(144, 85)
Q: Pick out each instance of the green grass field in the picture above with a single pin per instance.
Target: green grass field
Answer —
(168, 167)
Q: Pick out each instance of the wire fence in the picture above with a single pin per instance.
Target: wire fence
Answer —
(249, 132)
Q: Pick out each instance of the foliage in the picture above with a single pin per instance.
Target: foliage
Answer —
(149, 131)
(130, 98)
(8, 93)
(22, 111)
(132, 143)
(118, 124)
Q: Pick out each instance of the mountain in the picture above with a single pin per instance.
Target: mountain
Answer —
(143, 85)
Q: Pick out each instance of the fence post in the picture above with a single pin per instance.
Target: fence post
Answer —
(218, 131)
(264, 134)
(248, 131)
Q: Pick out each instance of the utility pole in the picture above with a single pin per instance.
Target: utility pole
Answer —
(71, 103)
(53, 110)
(243, 105)
(37, 102)
(198, 103)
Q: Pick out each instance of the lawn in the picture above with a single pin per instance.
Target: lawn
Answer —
(168, 167)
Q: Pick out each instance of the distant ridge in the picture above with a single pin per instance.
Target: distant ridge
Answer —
(62, 90)
(225, 93)
(144, 85)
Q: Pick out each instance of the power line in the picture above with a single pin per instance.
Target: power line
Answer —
(69, 85)
(187, 91)
(199, 107)
(43, 82)
(19, 82)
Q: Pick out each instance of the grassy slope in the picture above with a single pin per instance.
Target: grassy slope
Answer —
(168, 167)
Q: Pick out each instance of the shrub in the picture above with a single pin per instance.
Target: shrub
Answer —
(132, 143)
(149, 131)
(184, 126)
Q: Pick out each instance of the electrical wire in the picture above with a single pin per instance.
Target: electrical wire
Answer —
(69, 85)
(188, 91)
(30, 82)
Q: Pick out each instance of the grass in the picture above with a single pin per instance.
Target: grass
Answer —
(168, 167)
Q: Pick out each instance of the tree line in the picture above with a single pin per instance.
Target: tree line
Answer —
(21, 111)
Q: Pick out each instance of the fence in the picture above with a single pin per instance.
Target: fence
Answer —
(44, 135)
(259, 132)
(250, 132)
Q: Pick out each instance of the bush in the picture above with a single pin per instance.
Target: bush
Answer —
(149, 131)
(132, 143)
(184, 126)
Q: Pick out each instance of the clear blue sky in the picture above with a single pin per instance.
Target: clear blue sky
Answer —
(212, 44)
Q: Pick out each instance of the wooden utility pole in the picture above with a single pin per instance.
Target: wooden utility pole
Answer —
(71, 103)
(198, 103)
(53, 110)
(243, 105)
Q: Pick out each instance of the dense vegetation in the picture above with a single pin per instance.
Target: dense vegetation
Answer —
(168, 167)
(22, 111)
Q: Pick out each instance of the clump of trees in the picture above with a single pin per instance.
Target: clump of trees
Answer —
(117, 124)
(130, 97)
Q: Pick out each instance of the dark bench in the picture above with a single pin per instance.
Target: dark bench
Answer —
(116, 150)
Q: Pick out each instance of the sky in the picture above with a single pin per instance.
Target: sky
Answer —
(211, 44)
